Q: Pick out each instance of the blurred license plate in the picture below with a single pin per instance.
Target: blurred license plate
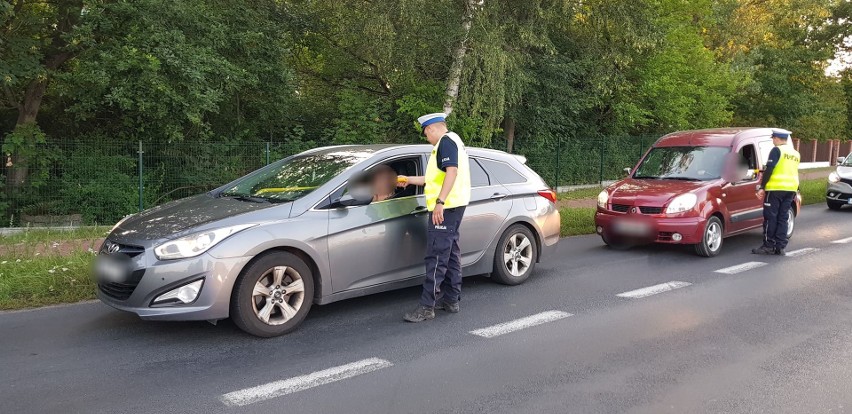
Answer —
(632, 228)
(110, 270)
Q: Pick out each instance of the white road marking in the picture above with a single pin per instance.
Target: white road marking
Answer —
(518, 324)
(843, 241)
(279, 388)
(801, 252)
(741, 268)
(653, 290)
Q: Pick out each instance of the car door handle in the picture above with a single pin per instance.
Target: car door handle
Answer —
(418, 210)
(498, 196)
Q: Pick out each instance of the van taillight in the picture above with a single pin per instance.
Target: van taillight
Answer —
(548, 194)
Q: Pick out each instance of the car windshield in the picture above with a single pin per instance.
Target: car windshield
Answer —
(683, 163)
(293, 178)
(847, 162)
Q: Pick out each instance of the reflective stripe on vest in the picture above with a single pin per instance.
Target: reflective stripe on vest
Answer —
(785, 175)
(460, 193)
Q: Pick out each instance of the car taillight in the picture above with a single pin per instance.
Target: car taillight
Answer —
(548, 194)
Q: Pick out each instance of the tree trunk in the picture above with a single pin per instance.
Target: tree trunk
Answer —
(509, 128)
(454, 80)
(16, 173)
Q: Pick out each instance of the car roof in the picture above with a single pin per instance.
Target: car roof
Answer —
(375, 149)
(715, 137)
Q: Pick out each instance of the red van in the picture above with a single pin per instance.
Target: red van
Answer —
(691, 187)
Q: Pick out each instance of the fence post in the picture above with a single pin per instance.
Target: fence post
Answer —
(600, 181)
(267, 153)
(141, 191)
(558, 151)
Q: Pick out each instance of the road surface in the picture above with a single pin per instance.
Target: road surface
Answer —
(650, 330)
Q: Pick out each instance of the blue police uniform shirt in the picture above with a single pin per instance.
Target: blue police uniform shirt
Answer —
(448, 154)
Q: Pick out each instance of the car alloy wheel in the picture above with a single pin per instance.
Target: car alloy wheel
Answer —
(517, 254)
(713, 236)
(278, 295)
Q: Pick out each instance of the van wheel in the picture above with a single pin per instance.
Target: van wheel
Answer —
(515, 257)
(273, 295)
(711, 243)
(791, 223)
(834, 205)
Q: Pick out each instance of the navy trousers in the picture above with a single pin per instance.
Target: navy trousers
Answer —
(443, 260)
(776, 208)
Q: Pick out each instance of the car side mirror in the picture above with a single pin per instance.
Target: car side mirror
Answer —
(841, 160)
(356, 195)
(627, 170)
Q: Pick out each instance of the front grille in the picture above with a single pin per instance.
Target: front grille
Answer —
(651, 210)
(623, 208)
(122, 291)
(125, 249)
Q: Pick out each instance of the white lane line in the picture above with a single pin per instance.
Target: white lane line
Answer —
(843, 241)
(518, 324)
(653, 290)
(741, 268)
(279, 388)
(801, 252)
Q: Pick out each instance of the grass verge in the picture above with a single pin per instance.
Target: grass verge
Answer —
(49, 236)
(27, 282)
(577, 220)
(813, 191)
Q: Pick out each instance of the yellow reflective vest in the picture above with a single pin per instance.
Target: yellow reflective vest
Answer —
(785, 175)
(434, 180)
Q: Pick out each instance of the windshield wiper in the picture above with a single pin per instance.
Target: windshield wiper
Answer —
(243, 197)
(680, 178)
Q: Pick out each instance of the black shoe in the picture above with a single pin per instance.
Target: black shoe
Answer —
(451, 307)
(419, 314)
(763, 250)
(780, 252)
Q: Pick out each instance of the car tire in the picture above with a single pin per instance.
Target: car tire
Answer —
(711, 239)
(515, 256)
(834, 205)
(264, 287)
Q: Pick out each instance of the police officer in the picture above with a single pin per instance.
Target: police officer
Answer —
(447, 191)
(778, 190)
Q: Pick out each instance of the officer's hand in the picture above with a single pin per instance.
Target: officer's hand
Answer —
(760, 194)
(438, 214)
(401, 181)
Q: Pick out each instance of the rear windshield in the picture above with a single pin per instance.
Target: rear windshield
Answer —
(293, 178)
(682, 163)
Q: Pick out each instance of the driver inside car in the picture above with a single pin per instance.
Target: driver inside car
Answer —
(383, 183)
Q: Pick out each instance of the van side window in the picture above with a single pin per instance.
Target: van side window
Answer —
(748, 157)
(502, 172)
(478, 176)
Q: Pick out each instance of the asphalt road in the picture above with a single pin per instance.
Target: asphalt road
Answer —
(775, 338)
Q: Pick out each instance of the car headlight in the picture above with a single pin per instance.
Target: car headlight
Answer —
(833, 178)
(196, 244)
(681, 203)
(603, 198)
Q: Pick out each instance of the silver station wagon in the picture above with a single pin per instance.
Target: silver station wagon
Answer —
(315, 228)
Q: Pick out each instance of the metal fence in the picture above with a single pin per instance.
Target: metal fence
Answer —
(98, 182)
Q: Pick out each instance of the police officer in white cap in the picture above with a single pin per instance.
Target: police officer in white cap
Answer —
(778, 190)
(447, 190)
